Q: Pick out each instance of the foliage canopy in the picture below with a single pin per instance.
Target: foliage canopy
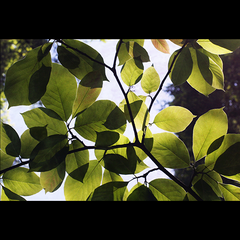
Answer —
(54, 143)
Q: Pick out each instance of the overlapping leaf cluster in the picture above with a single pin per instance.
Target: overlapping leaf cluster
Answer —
(54, 143)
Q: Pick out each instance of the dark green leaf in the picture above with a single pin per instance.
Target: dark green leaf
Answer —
(49, 153)
(38, 83)
(39, 133)
(229, 162)
(182, 68)
(205, 191)
(79, 173)
(231, 44)
(135, 50)
(106, 138)
(68, 59)
(112, 191)
(141, 193)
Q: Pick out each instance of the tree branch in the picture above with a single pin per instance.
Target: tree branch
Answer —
(164, 79)
(14, 166)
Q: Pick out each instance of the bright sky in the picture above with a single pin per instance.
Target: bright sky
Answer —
(111, 92)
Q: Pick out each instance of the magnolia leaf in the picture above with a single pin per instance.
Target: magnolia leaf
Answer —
(166, 190)
(27, 79)
(170, 151)
(174, 119)
(8, 195)
(182, 67)
(77, 62)
(141, 193)
(132, 71)
(230, 192)
(22, 182)
(102, 115)
(150, 80)
(207, 129)
(61, 91)
(9, 140)
(44, 117)
(75, 190)
(88, 91)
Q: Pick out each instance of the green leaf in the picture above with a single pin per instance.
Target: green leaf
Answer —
(21, 182)
(39, 133)
(207, 129)
(52, 180)
(77, 159)
(166, 190)
(41, 117)
(150, 80)
(228, 141)
(182, 67)
(219, 46)
(27, 79)
(49, 153)
(119, 164)
(228, 163)
(88, 91)
(28, 143)
(161, 45)
(11, 196)
(112, 191)
(132, 71)
(6, 161)
(137, 51)
(196, 79)
(77, 191)
(170, 151)
(174, 119)
(79, 173)
(230, 192)
(141, 193)
(107, 138)
(9, 140)
(123, 54)
(102, 115)
(139, 110)
(61, 91)
(110, 177)
(205, 191)
(78, 64)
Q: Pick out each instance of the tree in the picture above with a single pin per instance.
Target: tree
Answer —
(55, 141)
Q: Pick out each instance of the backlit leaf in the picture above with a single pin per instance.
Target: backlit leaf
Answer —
(22, 182)
(173, 119)
(166, 190)
(208, 128)
(41, 117)
(8, 195)
(77, 191)
(170, 151)
(61, 91)
(150, 80)
(230, 192)
(102, 115)
(132, 71)
(88, 91)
